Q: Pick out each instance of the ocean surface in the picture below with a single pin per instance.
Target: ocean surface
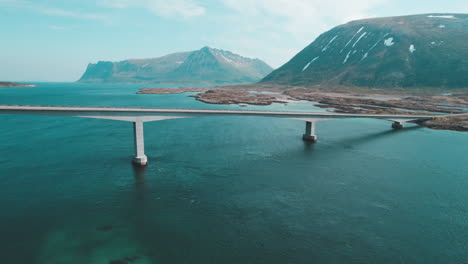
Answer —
(224, 190)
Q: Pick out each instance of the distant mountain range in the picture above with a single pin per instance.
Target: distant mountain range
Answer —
(428, 50)
(204, 66)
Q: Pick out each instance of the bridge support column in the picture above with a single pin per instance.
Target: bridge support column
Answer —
(309, 135)
(397, 125)
(140, 158)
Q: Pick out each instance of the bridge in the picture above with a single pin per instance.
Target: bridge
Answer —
(138, 116)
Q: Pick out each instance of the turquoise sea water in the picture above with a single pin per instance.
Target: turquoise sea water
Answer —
(224, 190)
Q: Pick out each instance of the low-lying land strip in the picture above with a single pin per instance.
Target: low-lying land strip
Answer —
(14, 84)
(341, 100)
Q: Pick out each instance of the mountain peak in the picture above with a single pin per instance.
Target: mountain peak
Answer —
(205, 66)
(206, 48)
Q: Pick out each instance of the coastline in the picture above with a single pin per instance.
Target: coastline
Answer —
(14, 84)
(340, 101)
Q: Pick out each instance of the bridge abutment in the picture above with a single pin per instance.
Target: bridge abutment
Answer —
(309, 135)
(397, 125)
(140, 158)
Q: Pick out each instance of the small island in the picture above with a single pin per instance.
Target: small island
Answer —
(14, 84)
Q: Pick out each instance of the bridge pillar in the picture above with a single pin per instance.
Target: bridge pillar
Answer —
(140, 158)
(397, 125)
(309, 135)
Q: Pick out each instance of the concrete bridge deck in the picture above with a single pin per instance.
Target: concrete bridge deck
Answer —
(140, 115)
(110, 112)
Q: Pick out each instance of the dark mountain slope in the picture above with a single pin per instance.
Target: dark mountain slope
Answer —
(428, 50)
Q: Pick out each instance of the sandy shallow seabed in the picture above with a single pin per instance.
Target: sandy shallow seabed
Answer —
(105, 244)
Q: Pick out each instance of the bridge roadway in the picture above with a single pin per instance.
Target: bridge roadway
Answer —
(140, 115)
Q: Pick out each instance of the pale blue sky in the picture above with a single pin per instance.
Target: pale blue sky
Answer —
(52, 40)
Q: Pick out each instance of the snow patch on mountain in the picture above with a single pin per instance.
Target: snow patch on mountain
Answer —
(355, 34)
(389, 42)
(448, 16)
(363, 34)
(365, 55)
(347, 57)
(226, 59)
(330, 42)
(310, 62)
(373, 46)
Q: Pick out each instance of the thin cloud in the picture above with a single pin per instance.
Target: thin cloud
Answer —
(71, 14)
(301, 16)
(163, 8)
(53, 11)
(281, 28)
(10, 1)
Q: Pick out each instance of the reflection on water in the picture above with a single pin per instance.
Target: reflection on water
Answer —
(139, 175)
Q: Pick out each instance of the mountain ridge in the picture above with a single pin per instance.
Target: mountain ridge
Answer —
(427, 50)
(204, 66)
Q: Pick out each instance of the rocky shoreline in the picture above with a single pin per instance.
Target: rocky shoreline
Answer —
(340, 101)
(453, 123)
(238, 97)
(14, 84)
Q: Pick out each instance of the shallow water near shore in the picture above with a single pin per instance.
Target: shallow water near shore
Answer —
(224, 190)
